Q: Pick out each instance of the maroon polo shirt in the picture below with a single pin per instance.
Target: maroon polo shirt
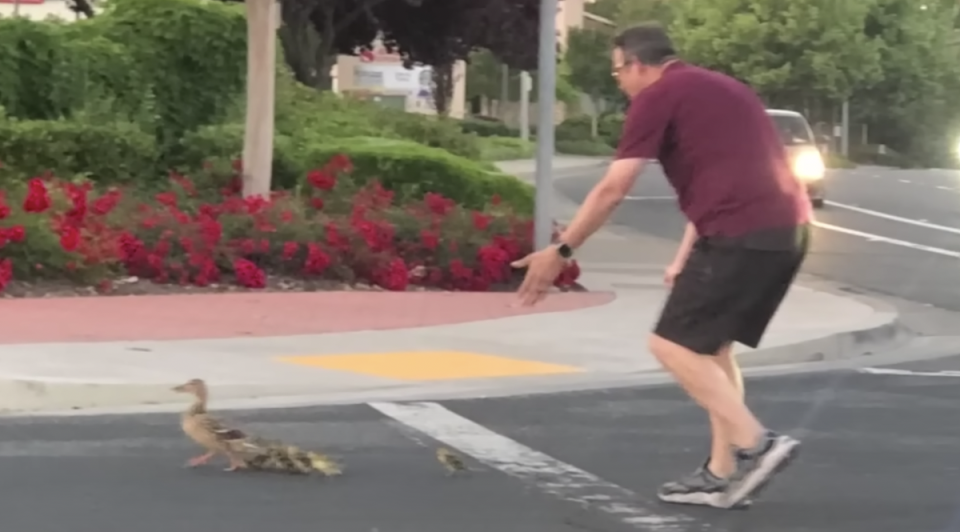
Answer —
(719, 150)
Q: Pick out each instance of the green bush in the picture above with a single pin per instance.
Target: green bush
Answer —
(506, 148)
(192, 55)
(586, 147)
(487, 127)
(610, 126)
(313, 116)
(412, 170)
(574, 128)
(169, 66)
(220, 145)
(578, 128)
(106, 153)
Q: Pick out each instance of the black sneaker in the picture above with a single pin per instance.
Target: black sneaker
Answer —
(756, 467)
(700, 487)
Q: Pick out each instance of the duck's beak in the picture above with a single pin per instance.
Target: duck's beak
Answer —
(181, 388)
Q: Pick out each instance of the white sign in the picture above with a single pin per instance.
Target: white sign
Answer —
(391, 77)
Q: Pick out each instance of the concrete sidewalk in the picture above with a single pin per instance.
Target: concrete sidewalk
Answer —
(587, 340)
(374, 346)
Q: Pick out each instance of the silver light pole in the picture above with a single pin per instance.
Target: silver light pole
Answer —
(546, 101)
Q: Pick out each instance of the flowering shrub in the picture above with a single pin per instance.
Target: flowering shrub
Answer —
(189, 235)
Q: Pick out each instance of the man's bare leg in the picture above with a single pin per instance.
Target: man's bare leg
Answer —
(708, 385)
(722, 463)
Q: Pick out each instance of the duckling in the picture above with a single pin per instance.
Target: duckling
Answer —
(209, 432)
(324, 464)
(243, 450)
(451, 461)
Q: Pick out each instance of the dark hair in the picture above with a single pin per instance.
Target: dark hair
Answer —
(646, 43)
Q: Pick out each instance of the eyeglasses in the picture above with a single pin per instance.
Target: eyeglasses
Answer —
(619, 68)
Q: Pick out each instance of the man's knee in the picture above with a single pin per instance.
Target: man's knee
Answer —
(661, 348)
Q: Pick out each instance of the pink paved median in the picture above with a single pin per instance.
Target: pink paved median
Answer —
(183, 317)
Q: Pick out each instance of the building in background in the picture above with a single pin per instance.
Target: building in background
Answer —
(37, 9)
(380, 76)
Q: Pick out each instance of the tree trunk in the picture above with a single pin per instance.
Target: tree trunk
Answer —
(442, 88)
(261, 80)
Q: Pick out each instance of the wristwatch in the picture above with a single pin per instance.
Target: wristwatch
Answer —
(564, 250)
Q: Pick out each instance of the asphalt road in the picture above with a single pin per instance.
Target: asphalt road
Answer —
(880, 456)
(889, 231)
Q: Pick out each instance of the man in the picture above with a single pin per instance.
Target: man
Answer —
(745, 241)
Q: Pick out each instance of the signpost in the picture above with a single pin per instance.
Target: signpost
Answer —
(546, 101)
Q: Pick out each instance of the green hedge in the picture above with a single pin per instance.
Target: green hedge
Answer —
(587, 147)
(406, 167)
(506, 148)
(412, 170)
(223, 143)
(313, 116)
(487, 127)
(108, 153)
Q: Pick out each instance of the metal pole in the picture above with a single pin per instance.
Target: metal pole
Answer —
(504, 85)
(845, 129)
(526, 85)
(546, 101)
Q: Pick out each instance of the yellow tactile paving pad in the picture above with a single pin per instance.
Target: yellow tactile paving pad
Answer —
(430, 365)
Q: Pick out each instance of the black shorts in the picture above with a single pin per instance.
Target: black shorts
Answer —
(729, 291)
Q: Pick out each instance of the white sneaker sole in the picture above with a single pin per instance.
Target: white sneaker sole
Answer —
(785, 450)
(715, 500)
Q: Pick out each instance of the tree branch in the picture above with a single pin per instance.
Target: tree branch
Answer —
(82, 7)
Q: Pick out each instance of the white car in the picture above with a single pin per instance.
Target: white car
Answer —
(804, 152)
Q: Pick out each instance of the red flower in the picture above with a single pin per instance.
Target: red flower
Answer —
(429, 239)
(69, 238)
(340, 163)
(38, 198)
(168, 199)
(15, 234)
(317, 261)
(335, 238)
(248, 274)
(438, 204)
(6, 273)
(316, 203)
(481, 221)
(4, 209)
(568, 277)
(106, 203)
(289, 250)
(321, 179)
(394, 276)
(493, 262)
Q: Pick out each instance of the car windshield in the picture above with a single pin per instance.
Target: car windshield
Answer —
(793, 129)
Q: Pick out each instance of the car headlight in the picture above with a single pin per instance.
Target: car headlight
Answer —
(808, 166)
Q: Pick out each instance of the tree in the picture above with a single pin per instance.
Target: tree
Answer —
(81, 7)
(441, 32)
(802, 53)
(587, 57)
(261, 81)
(626, 13)
(912, 108)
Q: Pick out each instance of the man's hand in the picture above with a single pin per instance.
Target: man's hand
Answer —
(543, 267)
(671, 273)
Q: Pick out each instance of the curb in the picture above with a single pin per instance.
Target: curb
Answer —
(33, 397)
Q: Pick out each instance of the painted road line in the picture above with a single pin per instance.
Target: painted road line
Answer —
(878, 214)
(891, 371)
(552, 476)
(430, 365)
(877, 238)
